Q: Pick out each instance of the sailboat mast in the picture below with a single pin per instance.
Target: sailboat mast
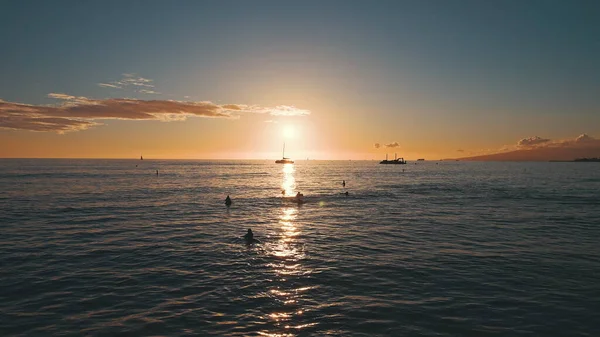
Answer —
(283, 153)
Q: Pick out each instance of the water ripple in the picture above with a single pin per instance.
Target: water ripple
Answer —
(93, 247)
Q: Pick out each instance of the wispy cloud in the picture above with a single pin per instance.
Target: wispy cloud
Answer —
(109, 85)
(78, 113)
(283, 110)
(280, 110)
(144, 91)
(69, 99)
(376, 145)
(129, 81)
(392, 145)
(136, 81)
(61, 96)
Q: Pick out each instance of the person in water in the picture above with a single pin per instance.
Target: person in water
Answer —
(343, 183)
(228, 201)
(299, 195)
(249, 237)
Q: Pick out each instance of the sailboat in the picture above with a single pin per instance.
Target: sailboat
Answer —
(284, 160)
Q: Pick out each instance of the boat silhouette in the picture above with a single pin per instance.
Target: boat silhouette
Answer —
(284, 160)
(397, 161)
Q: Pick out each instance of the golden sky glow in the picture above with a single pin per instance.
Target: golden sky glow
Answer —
(304, 74)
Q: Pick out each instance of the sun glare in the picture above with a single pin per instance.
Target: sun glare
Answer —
(289, 132)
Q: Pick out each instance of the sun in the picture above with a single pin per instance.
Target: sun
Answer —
(289, 131)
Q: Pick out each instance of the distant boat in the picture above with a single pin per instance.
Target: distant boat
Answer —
(397, 161)
(284, 160)
(420, 159)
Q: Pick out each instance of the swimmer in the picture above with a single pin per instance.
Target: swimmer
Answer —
(249, 237)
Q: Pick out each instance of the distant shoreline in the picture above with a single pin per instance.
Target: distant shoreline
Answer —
(578, 160)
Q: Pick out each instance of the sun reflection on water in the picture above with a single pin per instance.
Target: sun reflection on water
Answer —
(288, 185)
(289, 288)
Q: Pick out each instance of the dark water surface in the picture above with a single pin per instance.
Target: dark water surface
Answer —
(102, 247)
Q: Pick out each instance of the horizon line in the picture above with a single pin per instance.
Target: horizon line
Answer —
(261, 159)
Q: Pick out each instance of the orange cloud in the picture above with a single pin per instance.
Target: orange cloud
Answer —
(234, 106)
(531, 141)
(392, 145)
(79, 113)
(38, 123)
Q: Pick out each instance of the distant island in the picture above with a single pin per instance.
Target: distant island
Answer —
(587, 160)
(566, 154)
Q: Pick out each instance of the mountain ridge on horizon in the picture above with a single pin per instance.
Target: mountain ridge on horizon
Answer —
(537, 154)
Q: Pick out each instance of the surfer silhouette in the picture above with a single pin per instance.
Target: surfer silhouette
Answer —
(249, 237)
(228, 202)
(343, 183)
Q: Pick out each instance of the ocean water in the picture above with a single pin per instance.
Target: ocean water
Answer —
(107, 247)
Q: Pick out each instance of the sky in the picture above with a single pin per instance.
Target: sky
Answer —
(332, 79)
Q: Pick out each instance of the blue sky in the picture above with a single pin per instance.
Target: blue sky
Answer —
(466, 64)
